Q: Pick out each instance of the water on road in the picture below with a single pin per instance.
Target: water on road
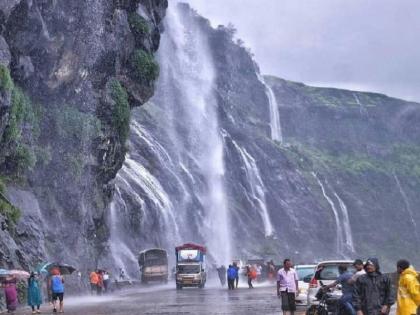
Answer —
(167, 300)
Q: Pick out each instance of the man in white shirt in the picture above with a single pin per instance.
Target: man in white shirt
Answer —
(287, 287)
(358, 264)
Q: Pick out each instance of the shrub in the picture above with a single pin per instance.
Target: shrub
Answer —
(143, 66)
(121, 112)
(6, 208)
(138, 25)
(6, 83)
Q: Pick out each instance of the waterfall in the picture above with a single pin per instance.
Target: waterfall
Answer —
(122, 255)
(346, 224)
(176, 176)
(257, 187)
(407, 207)
(275, 126)
(343, 234)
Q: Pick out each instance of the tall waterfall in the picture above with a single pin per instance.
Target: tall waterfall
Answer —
(344, 236)
(257, 187)
(174, 177)
(275, 126)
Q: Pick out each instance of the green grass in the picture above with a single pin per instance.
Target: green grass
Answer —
(121, 112)
(143, 66)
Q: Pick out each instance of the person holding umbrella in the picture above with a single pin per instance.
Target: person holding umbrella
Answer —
(57, 289)
(34, 293)
(10, 291)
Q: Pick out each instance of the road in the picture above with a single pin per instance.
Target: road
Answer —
(166, 300)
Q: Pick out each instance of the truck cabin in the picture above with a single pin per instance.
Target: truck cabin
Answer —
(153, 257)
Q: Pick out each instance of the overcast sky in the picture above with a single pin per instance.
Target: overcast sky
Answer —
(369, 45)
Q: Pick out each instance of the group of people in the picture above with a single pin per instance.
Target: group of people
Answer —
(367, 291)
(99, 281)
(34, 292)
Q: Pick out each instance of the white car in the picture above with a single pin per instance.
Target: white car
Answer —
(305, 274)
(325, 274)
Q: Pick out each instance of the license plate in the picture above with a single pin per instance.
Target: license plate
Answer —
(188, 282)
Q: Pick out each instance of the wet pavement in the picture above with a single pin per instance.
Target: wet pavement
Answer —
(167, 300)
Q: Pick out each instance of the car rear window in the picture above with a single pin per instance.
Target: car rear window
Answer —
(330, 272)
(304, 272)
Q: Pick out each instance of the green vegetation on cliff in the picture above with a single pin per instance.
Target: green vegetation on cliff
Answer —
(6, 83)
(121, 112)
(143, 67)
(138, 25)
(6, 208)
(401, 159)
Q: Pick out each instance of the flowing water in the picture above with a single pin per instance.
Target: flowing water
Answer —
(257, 191)
(343, 233)
(158, 175)
(275, 126)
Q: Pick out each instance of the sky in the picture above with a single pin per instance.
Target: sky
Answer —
(365, 45)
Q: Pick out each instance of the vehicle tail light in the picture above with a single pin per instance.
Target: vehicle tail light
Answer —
(313, 283)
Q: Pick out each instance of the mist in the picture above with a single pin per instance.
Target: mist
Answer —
(357, 44)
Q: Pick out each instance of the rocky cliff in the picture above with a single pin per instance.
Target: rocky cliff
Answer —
(337, 181)
(70, 73)
(250, 165)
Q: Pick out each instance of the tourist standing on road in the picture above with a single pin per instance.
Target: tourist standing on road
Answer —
(10, 291)
(100, 284)
(93, 282)
(287, 287)
(360, 271)
(251, 274)
(235, 265)
(106, 281)
(34, 293)
(408, 289)
(231, 276)
(57, 289)
(372, 292)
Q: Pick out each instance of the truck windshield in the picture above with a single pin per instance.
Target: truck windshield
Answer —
(188, 269)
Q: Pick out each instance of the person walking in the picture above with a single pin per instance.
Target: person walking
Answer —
(231, 276)
(106, 281)
(287, 287)
(251, 274)
(10, 292)
(100, 284)
(408, 289)
(34, 293)
(94, 279)
(235, 265)
(372, 292)
(57, 290)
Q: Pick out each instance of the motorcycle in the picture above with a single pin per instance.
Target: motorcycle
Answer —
(329, 303)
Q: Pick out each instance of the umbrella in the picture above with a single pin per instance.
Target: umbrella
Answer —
(4, 273)
(65, 269)
(21, 274)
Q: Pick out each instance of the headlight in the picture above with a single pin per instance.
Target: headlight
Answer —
(303, 290)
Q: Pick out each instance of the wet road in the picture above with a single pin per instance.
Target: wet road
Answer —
(167, 300)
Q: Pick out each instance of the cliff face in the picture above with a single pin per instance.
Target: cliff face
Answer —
(339, 181)
(70, 73)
